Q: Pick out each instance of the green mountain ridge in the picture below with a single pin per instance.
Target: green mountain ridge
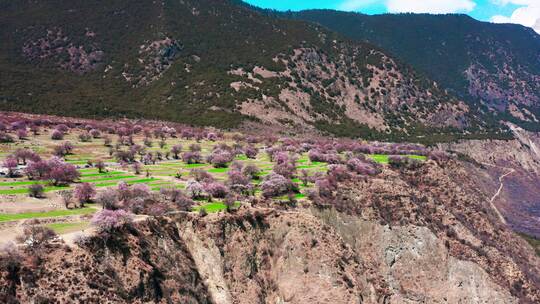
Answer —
(495, 67)
(215, 63)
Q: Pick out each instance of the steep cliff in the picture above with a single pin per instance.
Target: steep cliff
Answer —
(403, 237)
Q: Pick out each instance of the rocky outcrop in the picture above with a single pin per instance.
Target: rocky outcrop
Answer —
(420, 236)
(260, 257)
(416, 264)
(514, 166)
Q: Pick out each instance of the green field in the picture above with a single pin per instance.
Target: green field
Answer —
(55, 213)
(214, 207)
(92, 176)
(63, 228)
(383, 158)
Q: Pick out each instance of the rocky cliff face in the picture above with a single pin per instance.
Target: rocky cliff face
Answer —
(514, 167)
(384, 240)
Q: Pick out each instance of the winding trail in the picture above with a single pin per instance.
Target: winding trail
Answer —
(501, 186)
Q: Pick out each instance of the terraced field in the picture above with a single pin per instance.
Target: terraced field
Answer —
(165, 173)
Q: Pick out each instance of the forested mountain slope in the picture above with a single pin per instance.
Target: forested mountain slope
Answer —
(213, 62)
(495, 67)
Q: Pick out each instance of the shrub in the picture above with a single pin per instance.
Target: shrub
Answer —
(140, 190)
(24, 155)
(176, 150)
(57, 135)
(211, 136)
(95, 133)
(10, 263)
(251, 152)
(439, 156)
(84, 193)
(285, 165)
(85, 137)
(35, 190)
(216, 190)
(137, 167)
(183, 202)
(338, 173)
(36, 237)
(403, 162)
(195, 148)
(109, 220)
(37, 170)
(62, 128)
(148, 159)
(201, 175)
(229, 202)
(192, 157)
(61, 172)
(286, 169)
(63, 149)
(11, 165)
(22, 134)
(125, 156)
(275, 185)
(220, 158)
(316, 156)
(304, 177)
(194, 189)
(5, 138)
(237, 165)
(67, 198)
(108, 199)
(251, 171)
(325, 188)
(332, 158)
(361, 167)
(100, 165)
(107, 141)
(236, 178)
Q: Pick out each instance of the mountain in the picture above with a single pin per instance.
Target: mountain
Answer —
(494, 67)
(215, 63)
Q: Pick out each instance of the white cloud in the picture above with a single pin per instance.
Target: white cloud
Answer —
(430, 6)
(414, 6)
(354, 5)
(527, 15)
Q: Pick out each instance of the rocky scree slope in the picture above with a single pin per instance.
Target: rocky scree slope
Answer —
(414, 236)
(494, 67)
(212, 62)
(516, 165)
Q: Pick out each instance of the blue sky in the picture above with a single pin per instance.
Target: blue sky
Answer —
(525, 12)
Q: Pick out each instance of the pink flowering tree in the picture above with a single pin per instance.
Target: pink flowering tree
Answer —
(194, 189)
(192, 157)
(84, 193)
(251, 152)
(276, 185)
(24, 155)
(176, 150)
(220, 158)
(11, 165)
(109, 220)
(22, 134)
(215, 189)
(62, 173)
(37, 170)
